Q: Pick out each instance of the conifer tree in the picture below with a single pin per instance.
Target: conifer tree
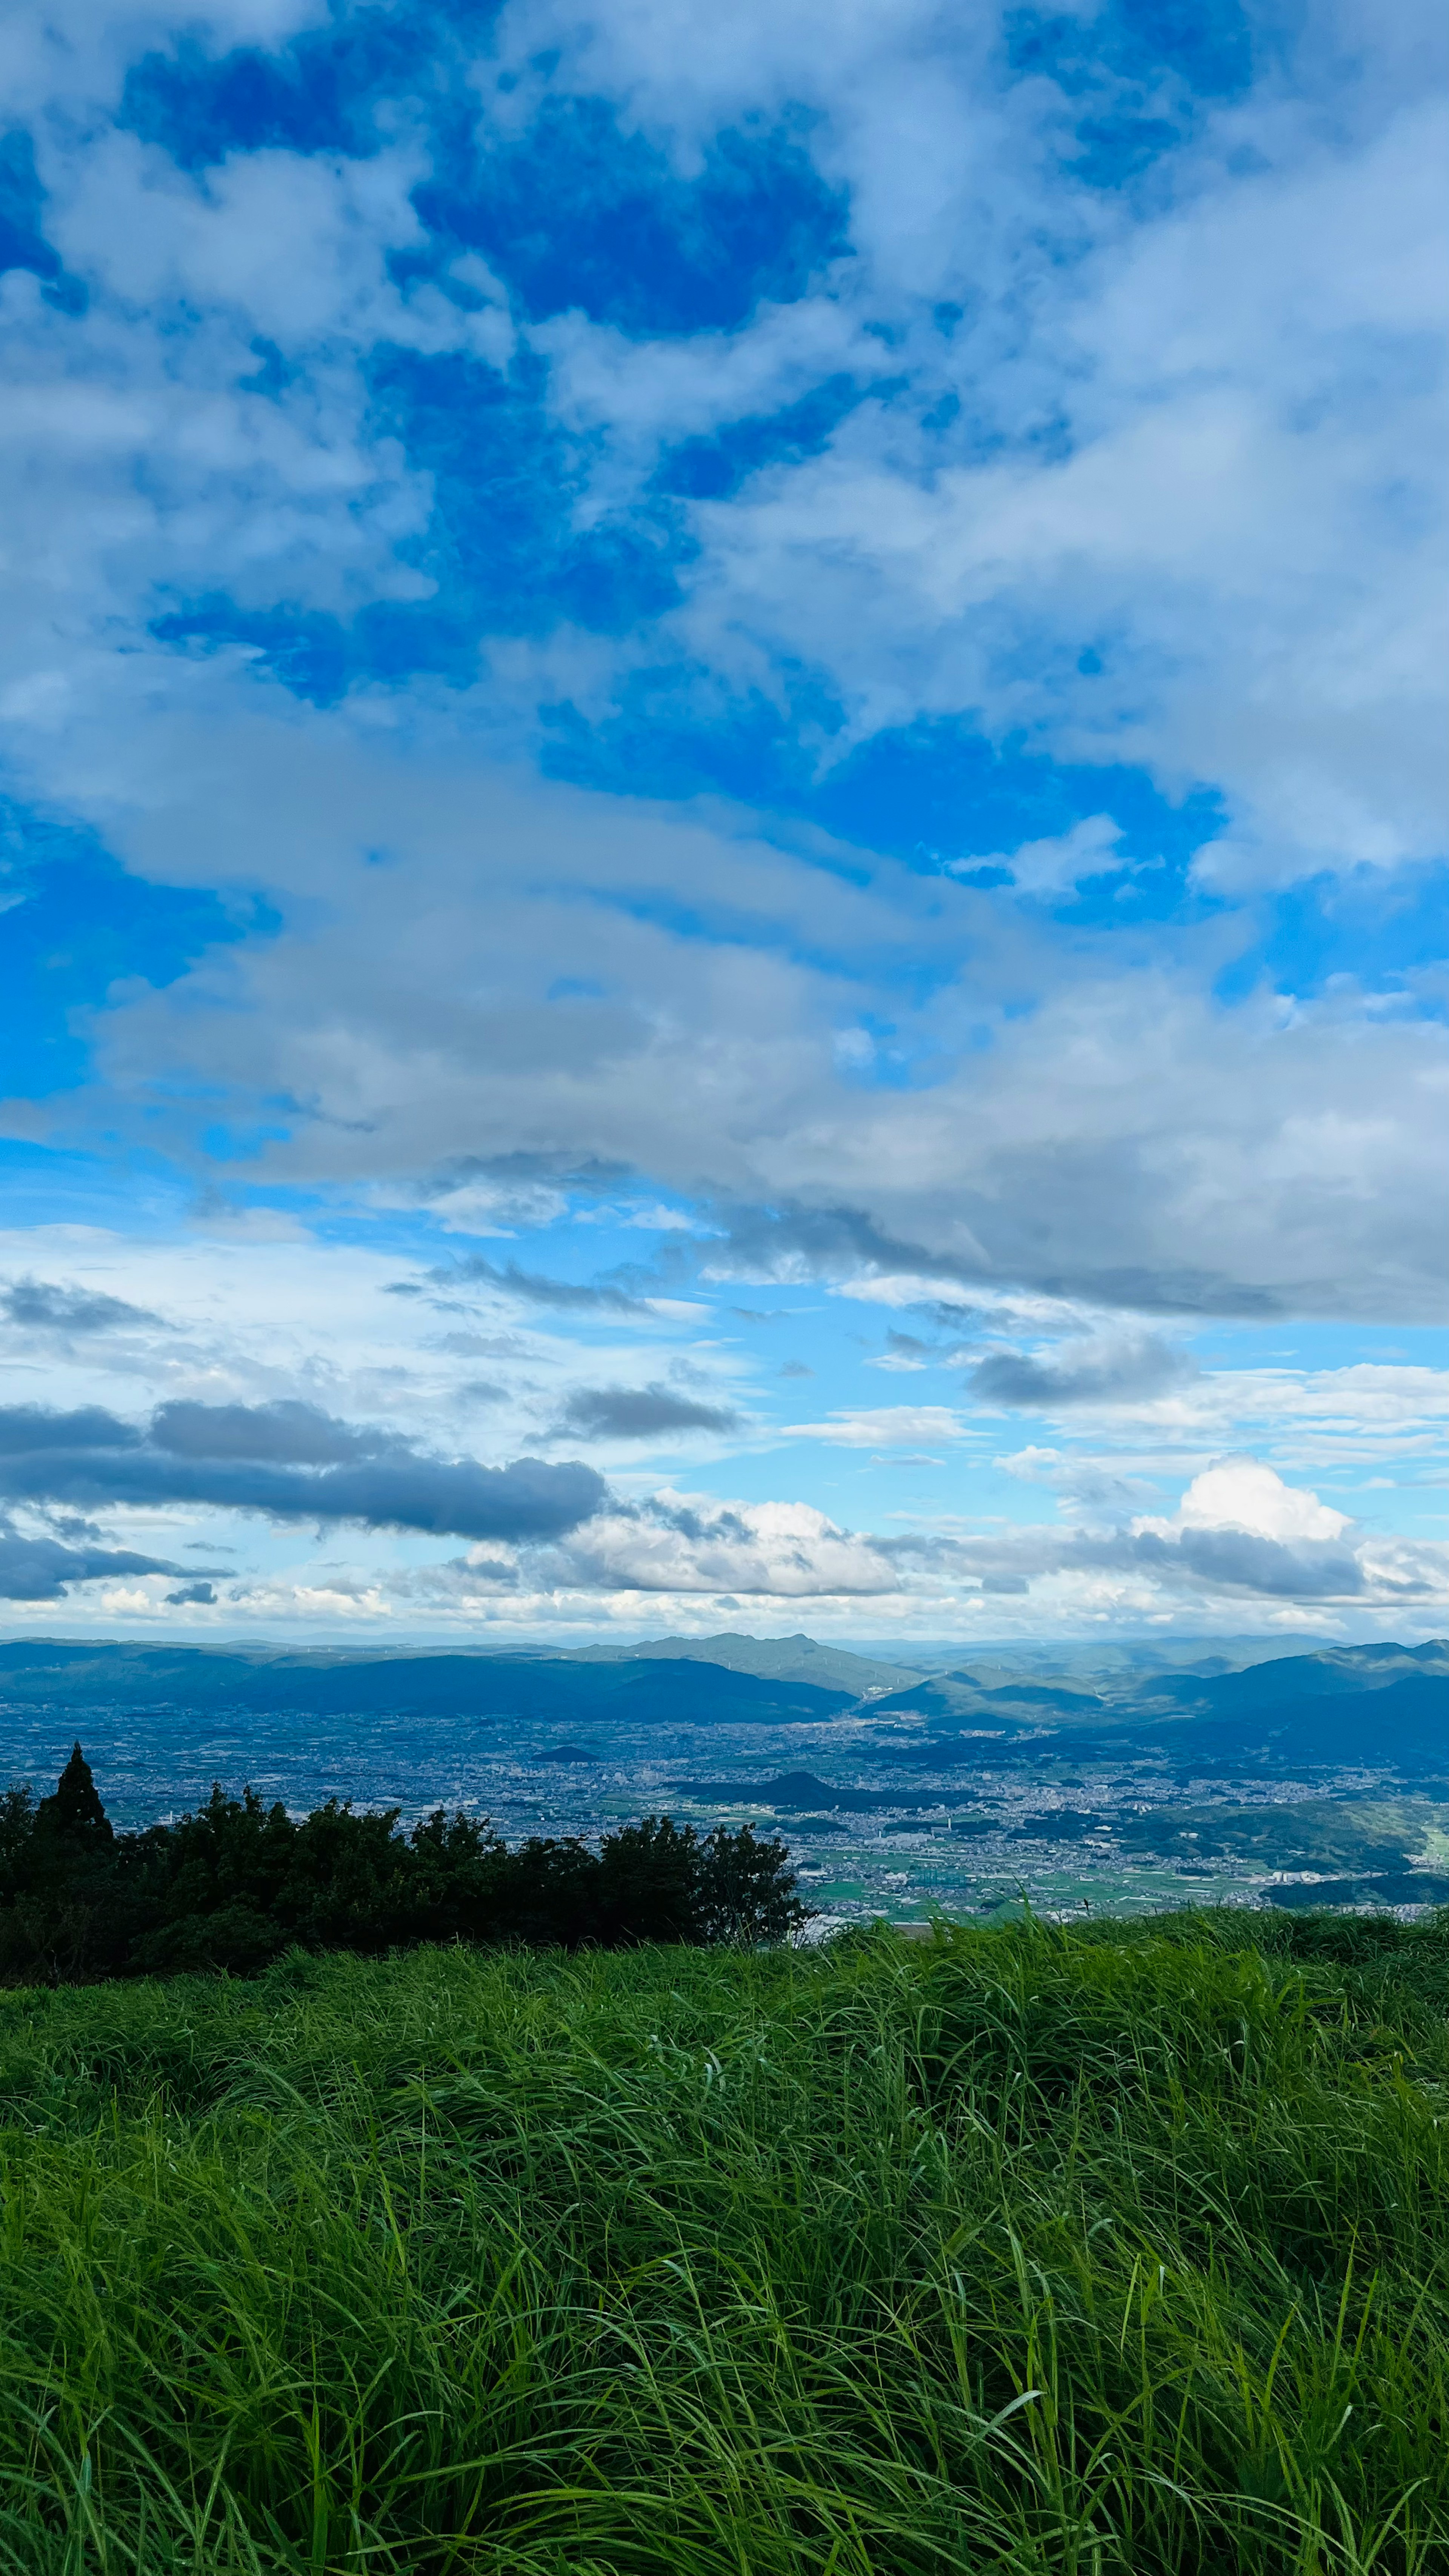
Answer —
(74, 1809)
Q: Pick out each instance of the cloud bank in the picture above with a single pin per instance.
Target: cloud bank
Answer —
(288, 1461)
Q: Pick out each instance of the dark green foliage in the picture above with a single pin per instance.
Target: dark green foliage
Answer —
(236, 1883)
(74, 1809)
(744, 1892)
(1122, 2251)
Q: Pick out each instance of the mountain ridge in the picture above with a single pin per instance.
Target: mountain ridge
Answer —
(1287, 1710)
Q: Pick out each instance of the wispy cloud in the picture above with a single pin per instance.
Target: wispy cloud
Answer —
(532, 1288)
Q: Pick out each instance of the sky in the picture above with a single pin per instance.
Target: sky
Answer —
(723, 874)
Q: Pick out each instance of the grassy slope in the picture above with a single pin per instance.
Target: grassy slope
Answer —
(1120, 2248)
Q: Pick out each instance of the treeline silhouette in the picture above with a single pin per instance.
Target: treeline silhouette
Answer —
(236, 1883)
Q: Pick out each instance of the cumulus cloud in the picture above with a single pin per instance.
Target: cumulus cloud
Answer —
(640, 1413)
(685, 1545)
(1243, 1494)
(288, 1462)
(689, 1544)
(1240, 1527)
(1250, 1536)
(1241, 1560)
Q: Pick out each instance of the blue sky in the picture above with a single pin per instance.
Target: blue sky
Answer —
(723, 864)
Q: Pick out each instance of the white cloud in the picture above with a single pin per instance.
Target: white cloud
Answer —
(1213, 454)
(1125, 1142)
(1345, 1418)
(1243, 1494)
(75, 53)
(1238, 500)
(683, 1543)
(888, 1426)
(646, 393)
(1053, 866)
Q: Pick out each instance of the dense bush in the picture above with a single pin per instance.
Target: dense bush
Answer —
(237, 1883)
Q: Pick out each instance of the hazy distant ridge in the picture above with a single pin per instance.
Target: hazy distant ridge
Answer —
(1353, 1704)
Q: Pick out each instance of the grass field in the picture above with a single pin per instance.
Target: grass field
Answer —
(1125, 2247)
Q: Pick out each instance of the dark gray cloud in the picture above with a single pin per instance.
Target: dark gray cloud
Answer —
(200, 1594)
(288, 1462)
(38, 1569)
(533, 1287)
(1241, 1561)
(39, 1306)
(1232, 1560)
(639, 1413)
(778, 1242)
(791, 1240)
(1126, 1371)
(1189, 1561)
(26, 1429)
(286, 1433)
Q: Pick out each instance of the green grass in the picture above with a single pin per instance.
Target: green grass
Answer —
(1117, 2248)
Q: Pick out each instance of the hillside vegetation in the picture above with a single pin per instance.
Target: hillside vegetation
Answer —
(1031, 2250)
(234, 1883)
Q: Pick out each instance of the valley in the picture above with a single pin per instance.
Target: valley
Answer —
(1086, 1784)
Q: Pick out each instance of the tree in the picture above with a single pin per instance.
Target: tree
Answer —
(746, 1889)
(74, 1807)
(648, 1884)
(17, 1833)
(234, 1882)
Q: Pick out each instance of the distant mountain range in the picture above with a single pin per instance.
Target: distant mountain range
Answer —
(547, 1689)
(1376, 1706)
(775, 1659)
